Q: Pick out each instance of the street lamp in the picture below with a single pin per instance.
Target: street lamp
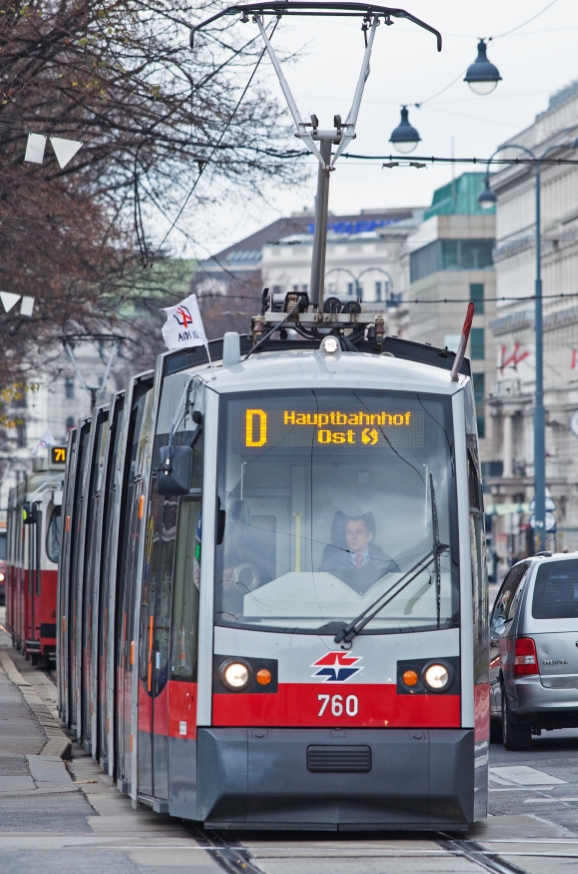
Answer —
(405, 137)
(482, 76)
(486, 199)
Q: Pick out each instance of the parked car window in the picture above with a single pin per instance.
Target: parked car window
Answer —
(506, 602)
(556, 590)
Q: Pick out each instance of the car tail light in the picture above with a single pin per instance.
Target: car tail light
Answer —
(525, 658)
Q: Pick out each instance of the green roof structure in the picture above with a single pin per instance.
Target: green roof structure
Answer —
(459, 197)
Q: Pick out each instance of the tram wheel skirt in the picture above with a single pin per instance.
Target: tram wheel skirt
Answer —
(420, 778)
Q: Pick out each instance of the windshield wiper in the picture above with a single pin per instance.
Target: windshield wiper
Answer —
(357, 625)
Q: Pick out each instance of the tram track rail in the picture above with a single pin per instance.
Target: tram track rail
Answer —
(233, 856)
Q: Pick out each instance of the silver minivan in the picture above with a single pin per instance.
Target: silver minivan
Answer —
(534, 650)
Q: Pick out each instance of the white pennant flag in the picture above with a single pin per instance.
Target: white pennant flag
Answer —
(65, 150)
(45, 441)
(8, 300)
(184, 325)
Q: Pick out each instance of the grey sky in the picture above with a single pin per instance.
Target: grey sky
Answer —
(535, 61)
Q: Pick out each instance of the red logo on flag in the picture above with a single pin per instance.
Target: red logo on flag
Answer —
(183, 316)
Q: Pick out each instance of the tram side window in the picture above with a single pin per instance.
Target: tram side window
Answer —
(479, 572)
(53, 535)
(186, 590)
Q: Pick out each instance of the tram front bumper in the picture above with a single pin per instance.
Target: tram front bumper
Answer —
(329, 778)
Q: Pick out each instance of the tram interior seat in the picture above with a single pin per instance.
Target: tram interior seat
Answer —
(252, 536)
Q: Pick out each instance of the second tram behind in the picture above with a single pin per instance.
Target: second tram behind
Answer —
(33, 544)
(272, 594)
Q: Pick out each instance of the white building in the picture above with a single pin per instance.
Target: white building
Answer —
(513, 392)
(363, 257)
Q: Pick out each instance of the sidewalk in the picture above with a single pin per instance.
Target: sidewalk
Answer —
(67, 818)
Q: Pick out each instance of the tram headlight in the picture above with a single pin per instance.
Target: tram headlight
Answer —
(437, 677)
(235, 675)
(1, 577)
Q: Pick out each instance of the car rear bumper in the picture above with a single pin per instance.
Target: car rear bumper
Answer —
(530, 696)
(275, 778)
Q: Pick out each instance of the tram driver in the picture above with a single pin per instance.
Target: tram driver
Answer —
(353, 556)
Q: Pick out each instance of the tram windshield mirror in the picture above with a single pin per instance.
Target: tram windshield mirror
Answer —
(30, 513)
(176, 470)
(328, 503)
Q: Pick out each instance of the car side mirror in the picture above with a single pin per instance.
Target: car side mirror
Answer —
(176, 470)
(498, 625)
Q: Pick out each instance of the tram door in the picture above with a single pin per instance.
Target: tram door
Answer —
(62, 630)
(77, 547)
(168, 628)
(33, 563)
(107, 563)
(89, 577)
(133, 507)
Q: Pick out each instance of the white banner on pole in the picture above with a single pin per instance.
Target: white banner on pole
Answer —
(184, 325)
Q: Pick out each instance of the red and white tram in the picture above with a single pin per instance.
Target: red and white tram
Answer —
(33, 544)
(286, 622)
(273, 591)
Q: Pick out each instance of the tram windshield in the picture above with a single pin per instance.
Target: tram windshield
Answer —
(330, 497)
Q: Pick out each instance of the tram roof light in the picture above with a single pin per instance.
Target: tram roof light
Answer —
(330, 345)
(405, 137)
(482, 76)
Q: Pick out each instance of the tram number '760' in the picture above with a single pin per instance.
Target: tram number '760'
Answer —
(337, 708)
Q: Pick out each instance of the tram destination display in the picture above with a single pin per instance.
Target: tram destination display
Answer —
(260, 426)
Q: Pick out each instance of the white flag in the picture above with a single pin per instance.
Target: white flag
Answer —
(184, 325)
(35, 148)
(45, 441)
(65, 150)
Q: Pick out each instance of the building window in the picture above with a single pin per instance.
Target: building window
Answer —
(450, 255)
(477, 296)
(359, 291)
(69, 423)
(276, 289)
(479, 380)
(477, 344)
(378, 290)
(481, 420)
(295, 288)
(350, 289)
(305, 287)
(21, 436)
(69, 387)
